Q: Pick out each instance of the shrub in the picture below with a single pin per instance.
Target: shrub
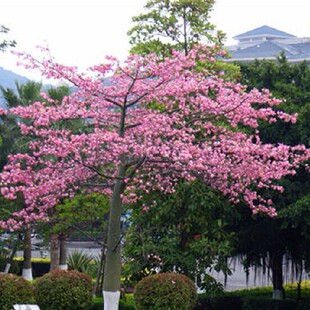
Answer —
(64, 290)
(165, 291)
(14, 290)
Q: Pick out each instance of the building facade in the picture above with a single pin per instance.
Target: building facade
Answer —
(267, 43)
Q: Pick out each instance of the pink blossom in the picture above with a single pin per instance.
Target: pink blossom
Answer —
(156, 121)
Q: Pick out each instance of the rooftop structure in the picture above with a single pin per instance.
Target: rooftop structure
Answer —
(267, 43)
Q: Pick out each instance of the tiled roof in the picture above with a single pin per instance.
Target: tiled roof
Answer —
(254, 45)
(263, 50)
(302, 56)
(264, 30)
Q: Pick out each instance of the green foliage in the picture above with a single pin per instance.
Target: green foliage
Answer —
(82, 262)
(59, 92)
(260, 237)
(211, 287)
(13, 140)
(185, 231)
(64, 290)
(82, 210)
(14, 290)
(165, 291)
(168, 25)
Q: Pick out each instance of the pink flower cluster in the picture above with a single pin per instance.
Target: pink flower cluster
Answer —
(146, 124)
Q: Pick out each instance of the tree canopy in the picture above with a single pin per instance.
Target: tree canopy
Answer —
(150, 123)
(290, 82)
(168, 25)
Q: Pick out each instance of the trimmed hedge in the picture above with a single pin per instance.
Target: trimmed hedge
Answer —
(218, 303)
(64, 290)
(14, 290)
(40, 266)
(165, 291)
(268, 304)
(303, 304)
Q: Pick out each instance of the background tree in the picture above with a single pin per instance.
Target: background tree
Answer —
(81, 215)
(14, 142)
(173, 25)
(292, 83)
(131, 147)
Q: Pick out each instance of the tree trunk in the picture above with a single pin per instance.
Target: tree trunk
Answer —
(276, 264)
(112, 269)
(63, 252)
(27, 269)
(12, 254)
(54, 241)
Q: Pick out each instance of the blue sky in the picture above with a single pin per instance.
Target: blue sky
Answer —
(81, 32)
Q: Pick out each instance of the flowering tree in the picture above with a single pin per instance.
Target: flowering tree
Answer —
(146, 124)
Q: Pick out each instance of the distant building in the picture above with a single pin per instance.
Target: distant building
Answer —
(267, 43)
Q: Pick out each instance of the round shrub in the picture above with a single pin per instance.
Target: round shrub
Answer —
(14, 290)
(165, 291)
(64, 290)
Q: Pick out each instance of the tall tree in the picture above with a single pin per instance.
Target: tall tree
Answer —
(290, 82)
(168, 25)
(14, 142)
(150, 124)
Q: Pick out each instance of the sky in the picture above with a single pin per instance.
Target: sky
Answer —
(82, 32)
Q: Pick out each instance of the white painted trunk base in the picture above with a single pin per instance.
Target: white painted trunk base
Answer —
(111, 300)
(63, 267)
(27, 274)
(26, 307)
(277, 294)
(7, 268)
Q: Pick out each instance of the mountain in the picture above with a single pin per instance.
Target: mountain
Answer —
(7, 80)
